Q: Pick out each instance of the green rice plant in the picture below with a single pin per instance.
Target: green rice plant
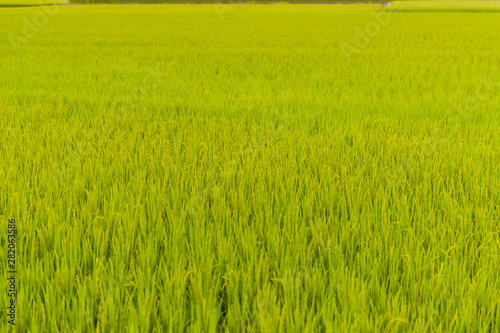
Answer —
(218, 2)
(171, 171)
(444, 6)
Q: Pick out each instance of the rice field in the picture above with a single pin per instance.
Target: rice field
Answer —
(251, 168)
(445, 5)
(26, 3)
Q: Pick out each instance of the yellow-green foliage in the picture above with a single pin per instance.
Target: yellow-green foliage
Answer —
(26, 3)
(441, 6)
(268, 168)
(215, 1)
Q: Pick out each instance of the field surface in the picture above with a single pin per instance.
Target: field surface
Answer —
(31, 3)
(444, 6)
(270, 168)
(25, 3)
